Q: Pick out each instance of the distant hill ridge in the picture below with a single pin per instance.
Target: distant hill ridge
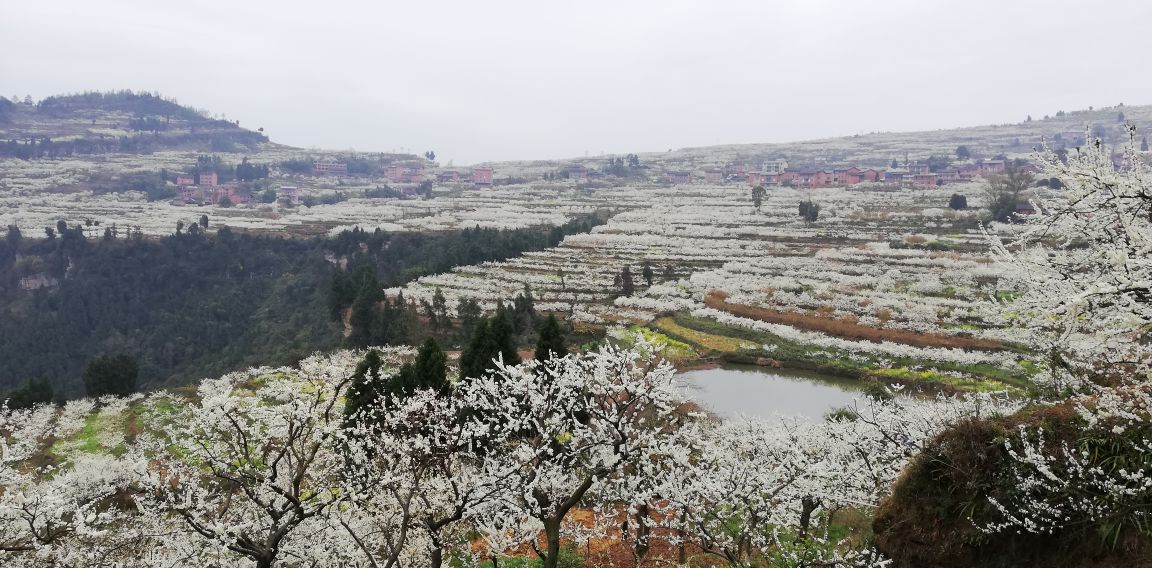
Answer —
(114, 122)
(1062, 129)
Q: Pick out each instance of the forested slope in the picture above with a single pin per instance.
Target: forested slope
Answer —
(195, 304)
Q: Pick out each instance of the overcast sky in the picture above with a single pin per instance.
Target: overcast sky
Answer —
(495, 80)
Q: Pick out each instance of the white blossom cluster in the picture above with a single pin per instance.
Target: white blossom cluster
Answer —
(263, 466)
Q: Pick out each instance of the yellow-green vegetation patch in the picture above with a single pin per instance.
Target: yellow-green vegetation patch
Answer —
(710, 341)
(672, 348)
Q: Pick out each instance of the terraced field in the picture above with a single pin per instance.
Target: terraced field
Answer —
(890, 279)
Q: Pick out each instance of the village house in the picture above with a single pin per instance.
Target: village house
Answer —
(714, 176)
(405, 173)
(924, 180)
(948, 176)
(448, 176)
(187, 193)
(329, 167)
(183, 181)
(761, 178)
(774, 166)
(482, 177)
(897, 177)
(289, 194)
(990, 167)
(678, 177)
(209, 179)
(577, 172)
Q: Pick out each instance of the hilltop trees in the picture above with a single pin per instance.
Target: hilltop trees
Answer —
(34, 392)
(111, 374)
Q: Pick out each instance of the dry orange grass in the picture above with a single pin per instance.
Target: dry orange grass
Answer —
(848, 329)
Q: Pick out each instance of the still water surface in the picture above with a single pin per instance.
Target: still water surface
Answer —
(734, 390)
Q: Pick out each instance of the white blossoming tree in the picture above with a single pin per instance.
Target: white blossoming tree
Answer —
(1086, 260)
(577, 423)
(253, 467)
(1087, 305)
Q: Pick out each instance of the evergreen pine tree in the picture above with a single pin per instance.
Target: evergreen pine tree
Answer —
(430, 369)
(366, 388)
(494, 338)
(364, 318)
(503, 336)
(551, 343)
(469, 313)
(440, 309)
(524, 312)
(472, 358)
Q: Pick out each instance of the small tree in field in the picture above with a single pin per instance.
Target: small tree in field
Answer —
(646, 272)
(1005, 192)
(958, 201)
(757, 196)
(809, 211)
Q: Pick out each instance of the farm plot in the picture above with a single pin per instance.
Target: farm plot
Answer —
(889, 279)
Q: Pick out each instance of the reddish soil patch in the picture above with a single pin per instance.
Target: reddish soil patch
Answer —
(848, 329)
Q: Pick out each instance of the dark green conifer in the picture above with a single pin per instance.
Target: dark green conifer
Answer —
(551, 343)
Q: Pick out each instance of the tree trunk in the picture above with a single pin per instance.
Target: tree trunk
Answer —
(643, 531)
(808, 505)
(552, 542)
(682, 554)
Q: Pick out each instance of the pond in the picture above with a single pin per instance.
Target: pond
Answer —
(734, 390)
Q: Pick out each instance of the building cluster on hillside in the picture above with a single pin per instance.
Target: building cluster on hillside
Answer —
(329, 168)
(208, 189)
(915, 175)
(480, 177)
(405, 173)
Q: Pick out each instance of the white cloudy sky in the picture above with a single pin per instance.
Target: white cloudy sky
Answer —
(498, 80)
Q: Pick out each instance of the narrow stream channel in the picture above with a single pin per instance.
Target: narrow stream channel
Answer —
(734, 390)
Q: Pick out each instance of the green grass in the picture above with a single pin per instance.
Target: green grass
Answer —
(87, 439)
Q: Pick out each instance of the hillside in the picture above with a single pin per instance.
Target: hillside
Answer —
(207, 300)
(95, 123)
(878, 149)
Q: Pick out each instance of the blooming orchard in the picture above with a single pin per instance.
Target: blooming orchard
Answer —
(263, 467)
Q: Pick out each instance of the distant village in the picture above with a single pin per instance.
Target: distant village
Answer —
(406, 178)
